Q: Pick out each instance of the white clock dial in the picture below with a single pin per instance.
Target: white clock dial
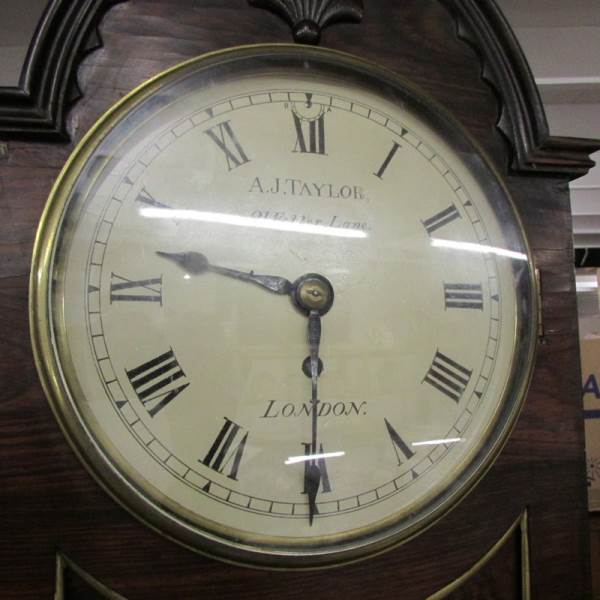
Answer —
(189, 369)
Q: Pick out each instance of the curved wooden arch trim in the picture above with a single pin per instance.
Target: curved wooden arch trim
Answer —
(64, 564)
(520, 525)
(522, 120)
(48, 83)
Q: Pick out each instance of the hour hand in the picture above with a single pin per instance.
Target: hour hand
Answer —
(196, 263)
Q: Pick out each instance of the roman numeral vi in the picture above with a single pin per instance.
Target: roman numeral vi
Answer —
(325, 483)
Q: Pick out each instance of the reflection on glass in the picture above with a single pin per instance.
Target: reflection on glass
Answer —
(238, 220)
(481, 248)
(436, 442)
(292, 460)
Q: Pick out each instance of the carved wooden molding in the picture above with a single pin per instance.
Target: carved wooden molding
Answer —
(308, 18)
(522, 118)
(48, 82)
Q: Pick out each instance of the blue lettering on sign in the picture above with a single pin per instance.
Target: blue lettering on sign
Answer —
(591, 387)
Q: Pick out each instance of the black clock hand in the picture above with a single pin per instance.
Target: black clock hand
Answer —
(196, 263)
(313, 473)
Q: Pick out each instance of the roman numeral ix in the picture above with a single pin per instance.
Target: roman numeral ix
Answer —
(153, 382)
(222, 135)
(142, 290)
(227, 449)
(447, 376)
(463, 295)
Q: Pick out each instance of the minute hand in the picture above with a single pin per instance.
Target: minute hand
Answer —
(196, 263)
(313, 472)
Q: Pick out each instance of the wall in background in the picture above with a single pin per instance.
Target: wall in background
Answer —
(562, 43)
(18, 20)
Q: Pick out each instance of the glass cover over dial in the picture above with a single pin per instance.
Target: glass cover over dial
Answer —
(283, 307)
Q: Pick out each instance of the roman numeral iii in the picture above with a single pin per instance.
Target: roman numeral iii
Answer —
(142, 290)
(447, 376)
(310, 135)
(222, 135)
(154, 382)
(463, 295)
(227, 449)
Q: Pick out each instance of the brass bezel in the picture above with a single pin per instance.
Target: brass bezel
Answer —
(57, 389)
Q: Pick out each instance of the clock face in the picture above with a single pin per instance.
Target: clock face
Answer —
(282, 307)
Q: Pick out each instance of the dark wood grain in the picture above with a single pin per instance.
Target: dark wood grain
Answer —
(595, 553)
(500, 579)
(48, 502)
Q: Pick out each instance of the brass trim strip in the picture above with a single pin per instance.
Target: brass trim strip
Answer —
(538, 281)
(521, 523)
(63, 563)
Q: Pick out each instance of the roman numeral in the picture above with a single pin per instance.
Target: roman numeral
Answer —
(440, 219)
(153, 381)
(325, 483)
(447, 376)
(144, 197)
(388, 160)
(463, 295)
(143, 290)
(225, 451)
(222, 135)
(315, 129)
(399, 445)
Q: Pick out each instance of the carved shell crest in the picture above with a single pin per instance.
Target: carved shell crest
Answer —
(308, 17)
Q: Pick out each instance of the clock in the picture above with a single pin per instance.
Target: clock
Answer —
(283, 307)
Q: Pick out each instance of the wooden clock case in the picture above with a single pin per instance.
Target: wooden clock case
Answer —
(522, 533)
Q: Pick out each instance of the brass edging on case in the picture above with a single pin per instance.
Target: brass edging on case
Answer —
(538, 282)
(521, 524)
(63, 563)
(50, 370)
